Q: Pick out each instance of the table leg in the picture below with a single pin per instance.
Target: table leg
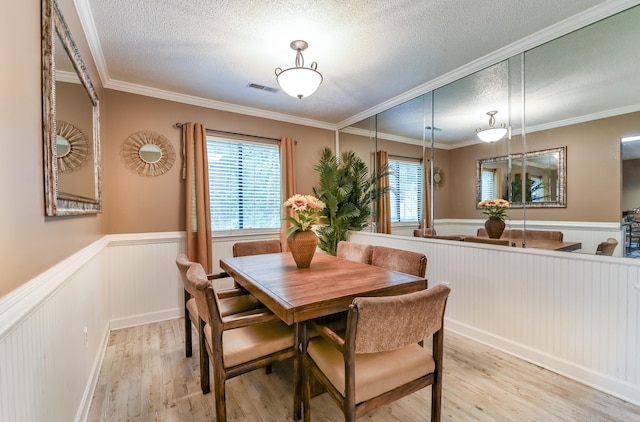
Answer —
(298, 371)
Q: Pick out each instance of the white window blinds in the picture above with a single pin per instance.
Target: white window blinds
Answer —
(405, 183)
(244, 184)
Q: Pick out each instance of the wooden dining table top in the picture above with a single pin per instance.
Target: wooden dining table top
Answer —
(327, 287)
(550, 245)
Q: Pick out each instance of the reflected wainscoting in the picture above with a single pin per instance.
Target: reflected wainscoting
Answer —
(575, 314)
(590, 234)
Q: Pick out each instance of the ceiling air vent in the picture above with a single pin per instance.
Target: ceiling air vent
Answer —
(261, 87)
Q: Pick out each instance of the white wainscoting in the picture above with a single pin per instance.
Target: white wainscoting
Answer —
(575, 314)
(48, 365)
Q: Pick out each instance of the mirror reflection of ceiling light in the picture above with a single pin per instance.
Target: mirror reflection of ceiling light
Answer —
(299, 81)
(492, 134)
(630, 138)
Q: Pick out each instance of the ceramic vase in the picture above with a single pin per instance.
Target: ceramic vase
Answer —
(495, 227)
(302, 244)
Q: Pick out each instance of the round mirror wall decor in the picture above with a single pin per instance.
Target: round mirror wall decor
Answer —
(438, 178)
(148, 153)
(72, 147)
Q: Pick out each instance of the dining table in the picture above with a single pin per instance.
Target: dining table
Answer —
(327, 287)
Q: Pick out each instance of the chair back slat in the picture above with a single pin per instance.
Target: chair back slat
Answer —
(392, 322)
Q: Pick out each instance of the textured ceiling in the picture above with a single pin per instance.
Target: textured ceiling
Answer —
(369, 52)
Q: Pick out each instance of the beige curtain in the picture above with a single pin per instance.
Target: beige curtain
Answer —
(198, 213)
(426, 200)
(288, 166)
(384, 205)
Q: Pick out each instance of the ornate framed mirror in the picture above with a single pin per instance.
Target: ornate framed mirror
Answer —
(68, 96)
(541, 174)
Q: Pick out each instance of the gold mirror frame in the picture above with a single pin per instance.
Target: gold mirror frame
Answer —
(57, 203)
(559, 188)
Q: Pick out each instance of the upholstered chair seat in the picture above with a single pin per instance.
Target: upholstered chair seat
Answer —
(245, 344)
(375, 373)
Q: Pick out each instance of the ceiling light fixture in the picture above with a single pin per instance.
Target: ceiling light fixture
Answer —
(630, 138)
(299, 81)
(492, 134)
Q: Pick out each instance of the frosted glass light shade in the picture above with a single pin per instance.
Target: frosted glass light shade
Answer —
(492, 134)
(299, 81)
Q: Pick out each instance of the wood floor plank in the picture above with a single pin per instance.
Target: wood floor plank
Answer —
(145, 377)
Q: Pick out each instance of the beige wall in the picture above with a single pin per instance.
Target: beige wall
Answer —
(593, 170)
(136, 204)
(30, 242)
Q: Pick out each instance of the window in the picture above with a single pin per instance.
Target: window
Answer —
(244, 184)
(405, 183)
(488, 184)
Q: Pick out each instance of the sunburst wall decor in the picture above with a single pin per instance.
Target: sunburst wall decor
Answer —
(148, 153)
(71, 154)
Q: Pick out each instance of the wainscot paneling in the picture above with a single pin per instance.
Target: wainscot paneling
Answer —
(53, 331)
(54, 328)
(574, 314)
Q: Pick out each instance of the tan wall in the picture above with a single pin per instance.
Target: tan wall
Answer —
(137, 204)
(29, 241)
(593, 170)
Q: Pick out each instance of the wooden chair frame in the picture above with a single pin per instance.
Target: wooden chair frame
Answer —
(184, 264)
(214, 351)
(347, 347)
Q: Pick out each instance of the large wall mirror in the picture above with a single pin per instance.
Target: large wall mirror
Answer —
(579, 94)
(69, 101)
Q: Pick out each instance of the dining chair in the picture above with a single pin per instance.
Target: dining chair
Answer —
(238, 343)
(379, 358)
(607, 247)
(232, 301)
(487, 240)
(357, 252)
(424, 232)
(257, 247)
(408, 262)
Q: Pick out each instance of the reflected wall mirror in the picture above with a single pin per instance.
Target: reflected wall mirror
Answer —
(544, 183)
(70, 111)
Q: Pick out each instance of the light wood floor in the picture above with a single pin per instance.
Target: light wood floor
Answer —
(146, 377)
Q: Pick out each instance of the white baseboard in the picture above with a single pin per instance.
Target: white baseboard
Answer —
(92, 382)
(148, 318)
(598, 381)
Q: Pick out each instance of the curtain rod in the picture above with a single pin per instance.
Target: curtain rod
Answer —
(180, 125)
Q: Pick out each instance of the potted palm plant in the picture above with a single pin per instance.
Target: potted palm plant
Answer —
(348, 189)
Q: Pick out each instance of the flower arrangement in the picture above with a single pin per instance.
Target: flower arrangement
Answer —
(495, 208)
(308, 210)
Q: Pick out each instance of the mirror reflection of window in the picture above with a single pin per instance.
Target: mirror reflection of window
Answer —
(405, 182)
